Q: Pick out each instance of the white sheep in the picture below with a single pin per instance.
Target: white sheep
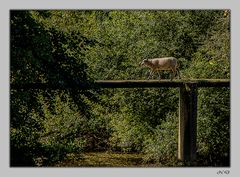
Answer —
(162, 64)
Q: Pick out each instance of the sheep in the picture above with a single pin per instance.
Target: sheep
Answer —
(161, 64)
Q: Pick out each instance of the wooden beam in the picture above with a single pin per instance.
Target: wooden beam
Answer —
(210, 82)
(187, 131)
(138, 83)
(125, 84)
(161, 83)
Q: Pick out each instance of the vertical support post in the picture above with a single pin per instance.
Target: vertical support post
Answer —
(187, 132)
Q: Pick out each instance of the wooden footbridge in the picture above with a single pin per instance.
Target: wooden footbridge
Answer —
(188, 89)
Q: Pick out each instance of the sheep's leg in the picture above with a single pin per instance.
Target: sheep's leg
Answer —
(147, 74)
(173, 74)
(178, 73)
(150, 75)
(159, 77)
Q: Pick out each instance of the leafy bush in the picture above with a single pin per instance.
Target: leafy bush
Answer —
(38, 55)
(161, 145)
(214, 121)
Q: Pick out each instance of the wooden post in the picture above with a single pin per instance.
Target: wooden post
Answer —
(187, 134)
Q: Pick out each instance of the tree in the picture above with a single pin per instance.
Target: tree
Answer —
(40, 55)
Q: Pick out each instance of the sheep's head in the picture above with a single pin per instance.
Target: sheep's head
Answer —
(144, 62)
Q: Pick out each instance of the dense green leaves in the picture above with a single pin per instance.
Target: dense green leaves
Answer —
(39, 55)
(74, 48)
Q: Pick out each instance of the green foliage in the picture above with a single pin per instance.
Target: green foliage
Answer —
(139, 114)
(25, 125)
(73, 48)
(161, 145)
(214, 121)
(213, 56)
(38, 55)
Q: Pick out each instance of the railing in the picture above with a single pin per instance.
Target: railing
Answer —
(187, 132)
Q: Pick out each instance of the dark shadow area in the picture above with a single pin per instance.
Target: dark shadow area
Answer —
(38, 56)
